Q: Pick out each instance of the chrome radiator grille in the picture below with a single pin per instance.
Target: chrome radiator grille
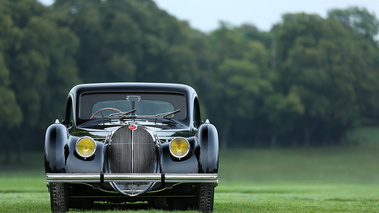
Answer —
(132, 151)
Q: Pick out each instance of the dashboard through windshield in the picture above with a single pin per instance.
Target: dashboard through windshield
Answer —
(100, 105)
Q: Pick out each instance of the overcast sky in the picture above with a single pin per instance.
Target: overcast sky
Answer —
(206, 14)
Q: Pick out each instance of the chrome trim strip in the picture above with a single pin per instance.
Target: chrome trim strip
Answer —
(136, 177)
(132, 132)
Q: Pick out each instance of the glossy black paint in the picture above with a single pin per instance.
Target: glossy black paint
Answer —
(188, 164)
(55, 142)
(75, 163)
(60, 155)
(209, 149)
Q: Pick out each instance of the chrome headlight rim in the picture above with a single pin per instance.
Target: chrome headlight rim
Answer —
(76, 147)
(179, 138)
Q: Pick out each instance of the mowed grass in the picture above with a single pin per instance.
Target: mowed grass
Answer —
(300, 180)
(328, 179)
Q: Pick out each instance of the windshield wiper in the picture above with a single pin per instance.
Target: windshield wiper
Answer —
(124, 114)
(107, 119)
(166, 114)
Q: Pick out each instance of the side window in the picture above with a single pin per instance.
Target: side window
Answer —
(69, 114)
(196, 114)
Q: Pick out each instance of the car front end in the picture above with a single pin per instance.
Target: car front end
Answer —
(130, 142)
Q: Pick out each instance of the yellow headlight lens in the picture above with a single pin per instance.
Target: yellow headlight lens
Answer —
(179, 147)
(85, 147)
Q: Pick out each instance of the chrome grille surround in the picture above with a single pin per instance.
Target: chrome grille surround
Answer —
(132, 151)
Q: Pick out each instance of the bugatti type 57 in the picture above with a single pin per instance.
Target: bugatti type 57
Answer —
(128, 142)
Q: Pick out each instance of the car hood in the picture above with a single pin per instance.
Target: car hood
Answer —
(163, 132)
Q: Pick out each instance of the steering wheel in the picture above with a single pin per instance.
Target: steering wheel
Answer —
(105, 108)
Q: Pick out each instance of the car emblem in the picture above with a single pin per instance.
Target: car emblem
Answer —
(132, 127)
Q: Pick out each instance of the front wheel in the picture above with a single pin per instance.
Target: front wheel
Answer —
(58, 197)
(205, 197)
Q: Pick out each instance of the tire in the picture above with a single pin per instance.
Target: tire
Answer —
(58, 197)
(205, 197)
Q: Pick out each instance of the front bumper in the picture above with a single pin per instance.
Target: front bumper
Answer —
(132, 177)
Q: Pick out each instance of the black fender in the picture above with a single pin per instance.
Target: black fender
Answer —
(56, 139)
(77, 164)
(61, 157)
(170, 164)
(209, 149)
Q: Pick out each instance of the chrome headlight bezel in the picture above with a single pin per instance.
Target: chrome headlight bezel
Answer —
(188, 147)
(85, 138)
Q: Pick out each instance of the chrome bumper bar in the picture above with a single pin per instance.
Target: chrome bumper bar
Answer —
(132, 177)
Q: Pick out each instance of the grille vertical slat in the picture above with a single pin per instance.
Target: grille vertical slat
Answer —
(132, 151)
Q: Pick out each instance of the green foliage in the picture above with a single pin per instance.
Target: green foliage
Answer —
(36, 66)
(318, 59)
(118, 38)
(306, 82)
(10, 112)
(238, 79)
(364, 52)
(359, 20)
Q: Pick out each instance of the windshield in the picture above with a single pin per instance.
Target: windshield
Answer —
(101, 105)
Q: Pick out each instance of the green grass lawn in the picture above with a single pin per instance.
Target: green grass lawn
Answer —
(329, 179)
(292, 197)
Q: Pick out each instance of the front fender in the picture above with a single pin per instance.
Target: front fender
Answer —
(209, 148)
(60, 156)
(55, 148)
(169, 164)
(75, 163)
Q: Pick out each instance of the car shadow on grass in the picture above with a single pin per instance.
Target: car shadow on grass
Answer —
(137, 206)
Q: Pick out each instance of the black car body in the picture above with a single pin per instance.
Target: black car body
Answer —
(126, 142)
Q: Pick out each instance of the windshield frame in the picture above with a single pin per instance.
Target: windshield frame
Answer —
(87, 100)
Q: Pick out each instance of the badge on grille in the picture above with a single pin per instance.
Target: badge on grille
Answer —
(132, 127)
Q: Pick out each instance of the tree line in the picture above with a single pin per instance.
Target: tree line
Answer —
(306, 82)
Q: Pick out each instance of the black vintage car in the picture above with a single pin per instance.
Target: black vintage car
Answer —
(128, 142)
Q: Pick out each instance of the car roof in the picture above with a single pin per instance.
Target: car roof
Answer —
(186, 90)
(133, 87)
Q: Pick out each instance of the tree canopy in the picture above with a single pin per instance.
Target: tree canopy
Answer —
(306, 82)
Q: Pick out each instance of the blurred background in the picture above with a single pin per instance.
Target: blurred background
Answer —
(292, 87)
(307, 81)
